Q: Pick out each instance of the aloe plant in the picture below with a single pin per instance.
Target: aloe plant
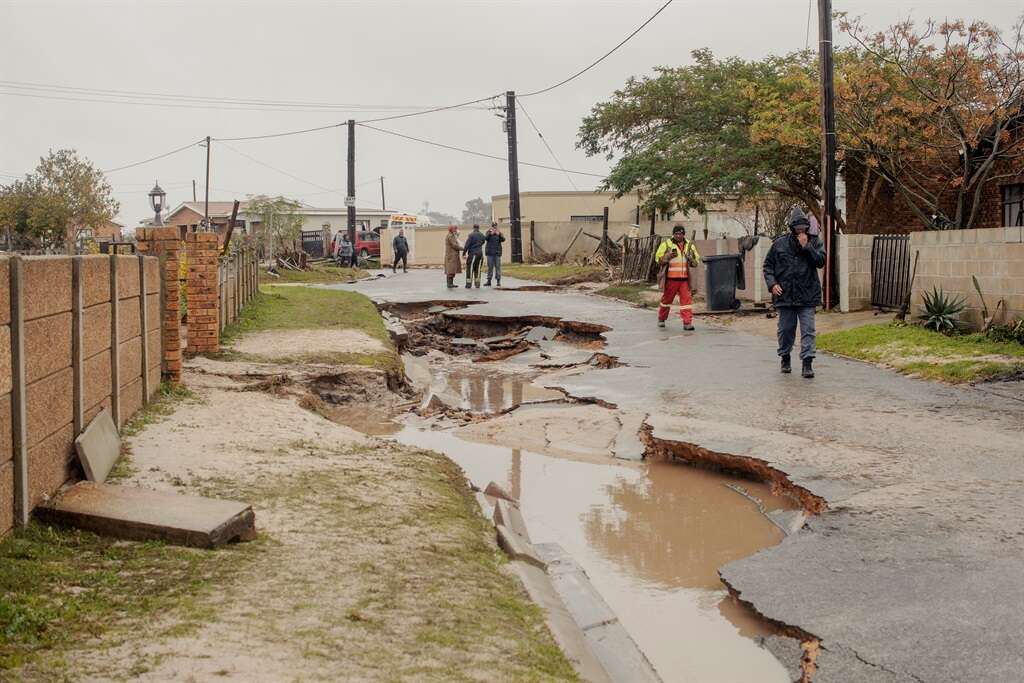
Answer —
(942, 312)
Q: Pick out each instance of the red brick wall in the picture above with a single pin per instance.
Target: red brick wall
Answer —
(203, 292)
(165, 242)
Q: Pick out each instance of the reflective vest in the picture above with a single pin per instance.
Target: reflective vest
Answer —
(678, 268)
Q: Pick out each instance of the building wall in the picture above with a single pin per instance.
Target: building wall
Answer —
(855, 272)
(51, 367)
(559, 207)
(426, 244)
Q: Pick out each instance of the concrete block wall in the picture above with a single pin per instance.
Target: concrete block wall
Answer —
(203, 298)
(72, 333)
(854, 272)
(948, 259)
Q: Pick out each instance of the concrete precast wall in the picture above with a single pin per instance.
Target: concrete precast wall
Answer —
(947, 260)
(77, 334)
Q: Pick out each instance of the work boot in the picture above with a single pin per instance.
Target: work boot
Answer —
(786, 365)
(661, 323)
(469, 285)
(808, 371)
(688, 327)
(499, 282)
(451, 282)
(487, 284)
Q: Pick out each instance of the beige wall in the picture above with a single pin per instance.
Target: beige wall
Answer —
(49, 376)
(426, 244)
(559, 207)
(855, 272)
(950, 257)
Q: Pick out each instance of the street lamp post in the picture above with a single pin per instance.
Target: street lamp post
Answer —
(157, 199)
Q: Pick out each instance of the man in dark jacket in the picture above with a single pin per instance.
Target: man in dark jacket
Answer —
(474, 251)
(492, 249)
(401, 248)
(791, 273)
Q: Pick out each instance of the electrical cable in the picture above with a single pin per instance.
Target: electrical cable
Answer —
(550, 151)
(475, 153)
(160, 156)
(278, 170)
(70, 93)
(601, 58)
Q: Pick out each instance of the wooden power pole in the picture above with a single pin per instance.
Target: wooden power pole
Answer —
(828, 145)
(350, 196)
(515, 216)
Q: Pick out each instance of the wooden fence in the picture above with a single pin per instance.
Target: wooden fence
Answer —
(238, 278)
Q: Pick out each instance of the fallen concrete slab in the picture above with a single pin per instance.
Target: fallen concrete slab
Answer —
(98, 447)
(144, 515)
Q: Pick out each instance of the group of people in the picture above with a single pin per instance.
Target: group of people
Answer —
(478, 244)
(790, 271)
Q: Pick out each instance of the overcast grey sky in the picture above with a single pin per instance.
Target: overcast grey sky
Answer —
(412, 52)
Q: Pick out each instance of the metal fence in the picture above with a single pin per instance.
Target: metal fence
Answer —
(314, 243)
(890, 270)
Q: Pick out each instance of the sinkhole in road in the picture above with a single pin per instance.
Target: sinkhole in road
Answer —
(651, 535)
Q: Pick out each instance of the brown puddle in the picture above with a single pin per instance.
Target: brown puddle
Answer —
(481, 390)
(363, 419)
(651, 536)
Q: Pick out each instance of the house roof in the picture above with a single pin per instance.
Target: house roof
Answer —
(220, 209)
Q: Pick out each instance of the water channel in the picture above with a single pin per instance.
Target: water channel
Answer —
(650, 535)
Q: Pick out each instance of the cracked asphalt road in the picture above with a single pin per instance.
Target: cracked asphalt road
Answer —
(914, 573)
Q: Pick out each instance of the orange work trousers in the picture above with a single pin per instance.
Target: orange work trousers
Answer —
(680, 288)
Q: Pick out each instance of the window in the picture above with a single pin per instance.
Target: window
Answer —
(1013, 205)
(589, 219)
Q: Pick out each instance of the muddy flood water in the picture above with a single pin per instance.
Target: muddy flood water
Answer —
(650, 535)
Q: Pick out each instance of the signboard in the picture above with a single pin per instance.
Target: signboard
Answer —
(350, 201)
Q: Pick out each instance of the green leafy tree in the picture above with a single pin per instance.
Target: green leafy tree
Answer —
(476, 211)
(683, 137)
(280, 221)
(50, 208)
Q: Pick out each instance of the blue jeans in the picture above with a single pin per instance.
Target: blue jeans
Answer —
(493, 266)
(788, 317)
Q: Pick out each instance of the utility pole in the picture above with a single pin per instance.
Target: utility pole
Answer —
(383, 204)
(828, 144)
(193, 189)
(654, 215)
(513, 178)
(350, 198)
(206, 207)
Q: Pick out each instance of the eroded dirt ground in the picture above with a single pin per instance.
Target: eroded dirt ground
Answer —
(373, 561)
(902, 570)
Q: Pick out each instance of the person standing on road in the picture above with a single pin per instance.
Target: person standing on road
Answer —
(452, 256)
(474, 251)
(492, 249)
(791, 273)
(401, 248)
(343, 253)
(675, 257)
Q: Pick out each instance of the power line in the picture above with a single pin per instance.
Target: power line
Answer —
(473, 152)
(601, 58)
(278, 170)
(429, 111)
(74, 94)
(550, 151)
(280, 135)
(160, 156)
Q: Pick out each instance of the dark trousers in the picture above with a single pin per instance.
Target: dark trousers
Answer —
(494, 266)
(788, 318)
(473, 263)
(404, 258)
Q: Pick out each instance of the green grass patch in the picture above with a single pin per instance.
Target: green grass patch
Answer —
(320, 273)
(60, 588)
(635, 293)
(307, 308)
(919, 351)
(553, 273)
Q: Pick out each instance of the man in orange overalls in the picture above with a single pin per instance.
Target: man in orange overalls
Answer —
(675, 257)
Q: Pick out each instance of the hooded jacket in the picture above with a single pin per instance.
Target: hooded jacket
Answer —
(492, 243)
(795, 269)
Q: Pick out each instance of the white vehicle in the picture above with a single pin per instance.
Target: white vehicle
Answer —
(407, 220)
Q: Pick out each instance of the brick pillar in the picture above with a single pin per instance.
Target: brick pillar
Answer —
(203, 292)
(166, 244)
